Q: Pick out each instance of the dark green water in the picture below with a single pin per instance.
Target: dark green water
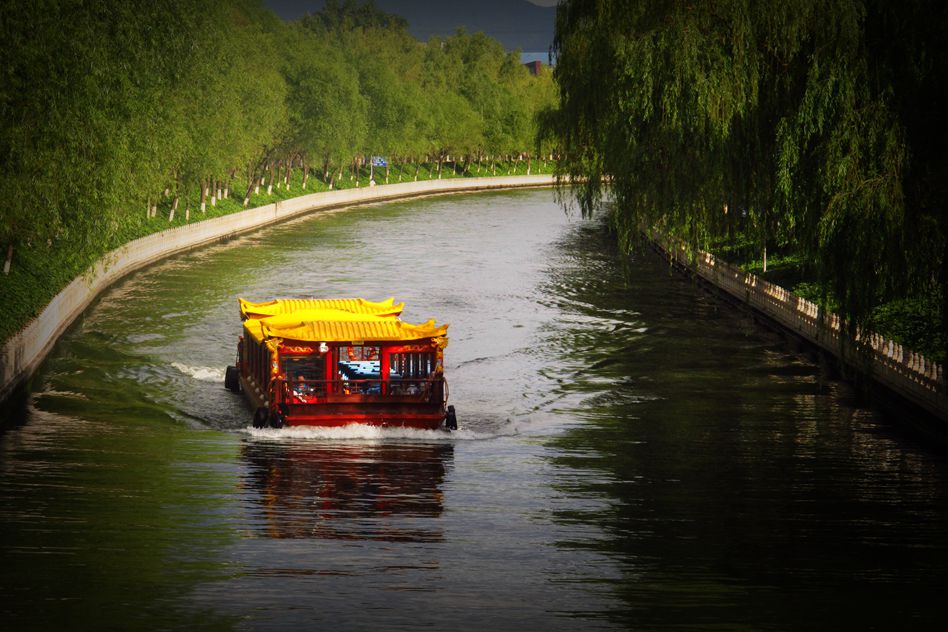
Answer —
(633, 454)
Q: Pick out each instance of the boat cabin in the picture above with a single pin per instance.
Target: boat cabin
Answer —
(332, 362)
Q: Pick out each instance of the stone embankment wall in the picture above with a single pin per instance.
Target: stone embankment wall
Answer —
(22, 354)
(908, 374)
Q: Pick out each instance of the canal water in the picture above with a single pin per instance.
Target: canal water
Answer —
(633, 453)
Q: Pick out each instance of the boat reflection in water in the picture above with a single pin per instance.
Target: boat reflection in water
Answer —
(356, 491)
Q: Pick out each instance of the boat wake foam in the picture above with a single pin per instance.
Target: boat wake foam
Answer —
(361, 432)
(202, 373)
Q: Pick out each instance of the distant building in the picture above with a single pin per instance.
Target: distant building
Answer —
(534, 67)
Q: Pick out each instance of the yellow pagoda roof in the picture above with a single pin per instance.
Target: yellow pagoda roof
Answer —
(280, 306)
(332, 325)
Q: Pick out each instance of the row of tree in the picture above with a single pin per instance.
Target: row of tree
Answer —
(107, 107)
(819, 123)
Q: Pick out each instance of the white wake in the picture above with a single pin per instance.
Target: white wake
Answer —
(202, 373)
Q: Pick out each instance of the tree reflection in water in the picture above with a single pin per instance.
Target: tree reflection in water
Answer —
(355, 491)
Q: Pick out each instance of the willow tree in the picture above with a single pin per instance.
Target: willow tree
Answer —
(803, 114)
(378, 51)
(326, 124)
(391, 98)
(256, 91)
(85, 128)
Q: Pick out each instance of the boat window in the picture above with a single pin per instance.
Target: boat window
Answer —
(263, 363)
(256, 362)
(304, 368)
(413, 365)
(360, 353)
(359, 369)
(305, 378)
(410, 372)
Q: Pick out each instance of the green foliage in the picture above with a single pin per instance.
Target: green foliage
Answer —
(352, 15)
(113, 113)
(327, 111)
(917, 323)
(813, 122)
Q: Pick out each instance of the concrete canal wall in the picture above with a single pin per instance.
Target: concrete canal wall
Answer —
(908, 374)
(22, 354)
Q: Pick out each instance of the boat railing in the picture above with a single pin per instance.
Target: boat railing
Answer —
(342, 390)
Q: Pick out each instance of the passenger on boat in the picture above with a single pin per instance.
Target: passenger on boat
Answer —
(302, 391)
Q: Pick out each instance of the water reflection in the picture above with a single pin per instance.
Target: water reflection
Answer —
(741, 484)
(350, 491)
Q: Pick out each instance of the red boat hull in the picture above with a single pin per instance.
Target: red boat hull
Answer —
(396, 421)
(354, 410)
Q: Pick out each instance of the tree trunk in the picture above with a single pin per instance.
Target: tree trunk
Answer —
(326, 170)
(174, 204)
(247, 195)
(270, 181)
(764, 223)
(9, 260)
(250, 183)
(529, 164)
(187, 214)
(214, 192)
(204, 186)
(417, 167)
(305, 174)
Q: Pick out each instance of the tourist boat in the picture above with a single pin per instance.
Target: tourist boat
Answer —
(333, 362)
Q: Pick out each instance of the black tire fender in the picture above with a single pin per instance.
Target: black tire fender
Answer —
(260, 417)
(276, 420)
(232, 379)
(451, 419)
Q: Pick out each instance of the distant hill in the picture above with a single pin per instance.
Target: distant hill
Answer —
(515, 23)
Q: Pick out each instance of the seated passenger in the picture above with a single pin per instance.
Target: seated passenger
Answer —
(302, 391)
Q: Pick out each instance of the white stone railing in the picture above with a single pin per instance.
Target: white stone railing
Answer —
(907, 373)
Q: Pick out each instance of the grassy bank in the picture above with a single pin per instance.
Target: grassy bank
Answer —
(915, 322)
(39, 271)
